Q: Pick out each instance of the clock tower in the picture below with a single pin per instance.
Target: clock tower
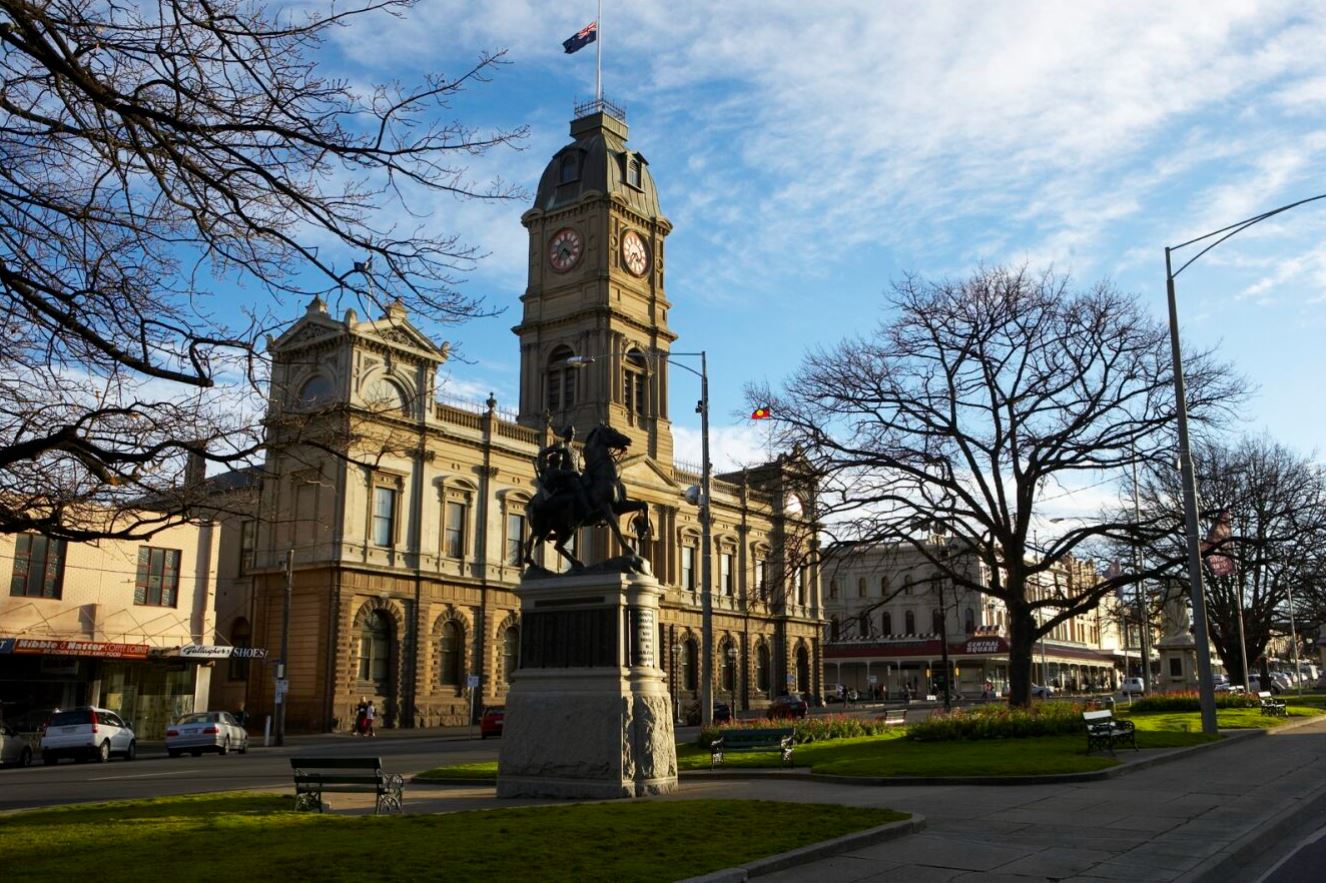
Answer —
(594, 332)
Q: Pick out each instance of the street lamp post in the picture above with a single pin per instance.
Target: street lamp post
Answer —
(1205, 684)
(677, 650)
(732, 687)
(706, 524)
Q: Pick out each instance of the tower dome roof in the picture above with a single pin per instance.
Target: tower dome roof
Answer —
(598, 161)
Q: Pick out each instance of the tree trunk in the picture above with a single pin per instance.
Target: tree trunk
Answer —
(1021, 648)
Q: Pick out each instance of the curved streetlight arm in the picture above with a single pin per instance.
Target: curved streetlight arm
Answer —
(1191, 516)
(1232, 230)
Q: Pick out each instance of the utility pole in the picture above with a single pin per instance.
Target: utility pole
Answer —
(282, 684)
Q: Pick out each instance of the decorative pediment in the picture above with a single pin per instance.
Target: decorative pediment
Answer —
(642, 470)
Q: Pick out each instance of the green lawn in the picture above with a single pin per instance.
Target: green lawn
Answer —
(893, 755)
(259, 836)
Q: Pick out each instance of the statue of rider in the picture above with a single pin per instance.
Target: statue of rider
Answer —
(558, 470)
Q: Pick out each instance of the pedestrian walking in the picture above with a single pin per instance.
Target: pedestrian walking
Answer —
(361, 716)
(370, 717)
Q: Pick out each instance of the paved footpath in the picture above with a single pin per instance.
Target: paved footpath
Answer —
(1224, 814)
(1217, 815)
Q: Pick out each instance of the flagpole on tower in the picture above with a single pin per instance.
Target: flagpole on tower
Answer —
(598, 58)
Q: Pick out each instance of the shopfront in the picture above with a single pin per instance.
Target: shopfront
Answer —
(979, 665)
(144, 688)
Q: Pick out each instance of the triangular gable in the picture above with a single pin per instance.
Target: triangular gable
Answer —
(399, 332)
(641, 469)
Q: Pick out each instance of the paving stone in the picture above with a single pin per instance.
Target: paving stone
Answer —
(1057, 862)
(955, 853)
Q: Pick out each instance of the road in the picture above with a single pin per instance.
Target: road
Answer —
(154, 774)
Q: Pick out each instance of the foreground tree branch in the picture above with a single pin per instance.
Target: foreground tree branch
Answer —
(157, 163)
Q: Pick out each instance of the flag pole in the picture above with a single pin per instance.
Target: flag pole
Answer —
(598, 58)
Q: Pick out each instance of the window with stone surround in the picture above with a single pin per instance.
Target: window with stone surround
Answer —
(450, 662)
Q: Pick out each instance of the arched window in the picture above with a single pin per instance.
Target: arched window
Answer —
(690, 656)
(861, 587)
(833, 589)
(561, 377)
(510, 652)
(450, 669)
(375, 649)
(241, 636)
(384, 395)
(886, 623)
(909, 622)
(969, 621)
(863, 624)
(633, 383)
(803, 670)
(883, 586)
(762, 678)
(316, 391)
(937, 621)
(835, 628)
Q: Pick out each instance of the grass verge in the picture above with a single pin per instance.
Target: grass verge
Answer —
(652, 840)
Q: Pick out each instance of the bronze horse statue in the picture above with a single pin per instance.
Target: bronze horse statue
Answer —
(600, 499)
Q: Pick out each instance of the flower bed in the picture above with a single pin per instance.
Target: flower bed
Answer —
(820, 728)
(1191, 702)
(999, 722)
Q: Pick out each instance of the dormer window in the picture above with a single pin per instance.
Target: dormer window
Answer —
(569, 170)
(633, 171)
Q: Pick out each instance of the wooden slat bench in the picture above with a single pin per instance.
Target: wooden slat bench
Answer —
(753, 740)
(1272, 707)
(363, 775)
(1104, 731)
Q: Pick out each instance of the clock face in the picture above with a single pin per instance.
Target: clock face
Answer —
(564, 249)
(634, 253)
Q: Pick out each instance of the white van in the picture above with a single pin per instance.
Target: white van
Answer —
(1132, 686)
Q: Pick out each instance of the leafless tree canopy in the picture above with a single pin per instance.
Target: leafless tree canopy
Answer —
(975, 403)
(1276, 500)
(159, 163)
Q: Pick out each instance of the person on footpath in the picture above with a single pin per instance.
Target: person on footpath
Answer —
(361, 716)
(370, 717)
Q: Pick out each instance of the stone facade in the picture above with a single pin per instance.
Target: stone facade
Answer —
(401, 514)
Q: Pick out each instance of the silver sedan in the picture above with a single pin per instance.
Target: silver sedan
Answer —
(206, 731)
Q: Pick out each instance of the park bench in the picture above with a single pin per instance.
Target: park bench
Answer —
(753, 740)
(1104, 731)
(363, 775)
(894, 717)
(1272, 707)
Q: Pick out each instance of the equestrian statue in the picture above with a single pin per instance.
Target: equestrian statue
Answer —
(569, 498)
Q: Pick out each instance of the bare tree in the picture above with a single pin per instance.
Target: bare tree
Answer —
(978, 401)
(1274, 503)
(161, 166)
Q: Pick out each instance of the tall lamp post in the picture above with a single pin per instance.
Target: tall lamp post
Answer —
(1205, 684)
(706, 523)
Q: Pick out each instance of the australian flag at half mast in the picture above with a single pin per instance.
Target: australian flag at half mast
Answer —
(586, 35)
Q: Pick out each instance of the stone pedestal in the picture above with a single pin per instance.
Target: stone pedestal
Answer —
(588, 714)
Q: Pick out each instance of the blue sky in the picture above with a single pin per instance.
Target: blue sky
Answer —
(808, 157)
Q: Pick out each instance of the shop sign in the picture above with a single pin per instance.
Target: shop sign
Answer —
(248, 653)
(6, 645)
(205, 651)
(103, 649)
(985, 645)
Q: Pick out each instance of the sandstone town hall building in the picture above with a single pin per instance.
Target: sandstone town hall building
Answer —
(402, 515)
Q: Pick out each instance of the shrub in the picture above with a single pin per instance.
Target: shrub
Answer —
(999, 722)
(1190, 702)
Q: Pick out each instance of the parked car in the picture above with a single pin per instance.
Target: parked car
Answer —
(1042, 692)
(87, 733)
(490, 722)
(787, 706)
(14, 748)
(206, 731)
(1131, 686)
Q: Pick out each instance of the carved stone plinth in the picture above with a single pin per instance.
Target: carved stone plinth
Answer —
(588, 714)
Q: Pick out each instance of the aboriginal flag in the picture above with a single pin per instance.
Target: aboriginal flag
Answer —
(761, 413)
(583, 37)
